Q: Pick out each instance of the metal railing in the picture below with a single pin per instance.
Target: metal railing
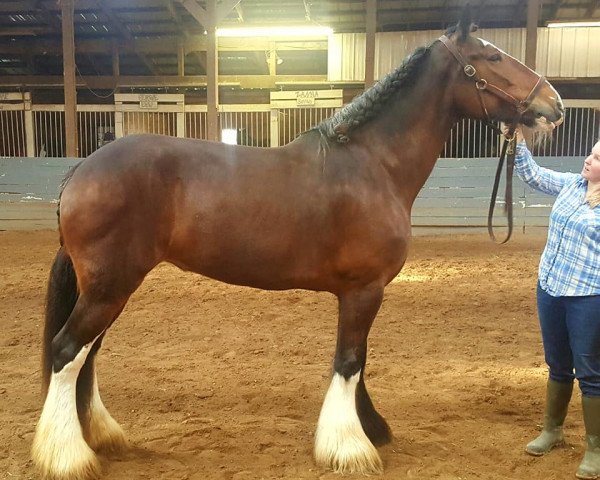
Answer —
(40, 129)
(12, 133)
(96, 128)
(294, 121)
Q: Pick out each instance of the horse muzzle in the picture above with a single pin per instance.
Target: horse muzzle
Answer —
(546, 108)
(542, 115)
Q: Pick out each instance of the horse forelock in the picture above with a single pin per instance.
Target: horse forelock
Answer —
(372, 102)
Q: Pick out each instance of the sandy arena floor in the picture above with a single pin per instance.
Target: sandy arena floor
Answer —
(213, 381)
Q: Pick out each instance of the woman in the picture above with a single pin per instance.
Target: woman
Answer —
(568, 299)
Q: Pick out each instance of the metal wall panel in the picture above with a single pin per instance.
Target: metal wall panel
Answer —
(391, 48)
(346, 57)
(561, 52)
(568, 52)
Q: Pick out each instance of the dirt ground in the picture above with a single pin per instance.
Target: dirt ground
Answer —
(212, 381)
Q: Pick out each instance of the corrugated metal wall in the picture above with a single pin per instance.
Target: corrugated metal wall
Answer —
(561, 52)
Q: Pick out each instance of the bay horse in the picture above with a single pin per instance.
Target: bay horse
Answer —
(328, 212)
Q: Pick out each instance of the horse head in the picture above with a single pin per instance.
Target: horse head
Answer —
(489, 84)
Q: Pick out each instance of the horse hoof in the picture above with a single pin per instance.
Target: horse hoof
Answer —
(351, 458)
(106, 435)
(114, 442)
(59, 462)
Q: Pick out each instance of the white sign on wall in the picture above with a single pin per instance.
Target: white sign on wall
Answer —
(148, 101)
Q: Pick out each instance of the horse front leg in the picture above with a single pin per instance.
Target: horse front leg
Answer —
(349, 425)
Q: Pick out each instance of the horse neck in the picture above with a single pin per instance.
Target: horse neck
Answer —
(408, 137)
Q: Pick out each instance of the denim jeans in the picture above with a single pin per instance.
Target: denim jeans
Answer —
(571, 335)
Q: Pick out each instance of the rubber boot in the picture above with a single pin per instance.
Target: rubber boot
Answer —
(590, 465)
(558, 396)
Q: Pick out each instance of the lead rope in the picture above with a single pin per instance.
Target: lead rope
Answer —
(508, 152)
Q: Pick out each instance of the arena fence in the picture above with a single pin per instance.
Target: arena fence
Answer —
(39, 130)
(14, 108)
(456, 194)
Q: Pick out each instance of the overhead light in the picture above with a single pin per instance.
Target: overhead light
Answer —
(573, 24)
(275, 32)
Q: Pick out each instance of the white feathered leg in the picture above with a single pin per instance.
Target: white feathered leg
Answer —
(59, 449)
(340, 441)
(103, 433)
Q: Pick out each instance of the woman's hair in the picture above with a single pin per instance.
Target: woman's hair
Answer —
(593, 199)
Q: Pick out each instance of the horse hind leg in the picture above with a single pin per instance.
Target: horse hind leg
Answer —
(59, 449)
(349, 425)
(100, 430)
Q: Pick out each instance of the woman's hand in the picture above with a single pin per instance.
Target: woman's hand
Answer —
(518, 133)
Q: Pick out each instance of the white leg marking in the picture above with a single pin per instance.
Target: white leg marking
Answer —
(59, 449)
(103, 432)
(340, 441)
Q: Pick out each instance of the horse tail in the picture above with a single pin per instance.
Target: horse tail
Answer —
(60, 301)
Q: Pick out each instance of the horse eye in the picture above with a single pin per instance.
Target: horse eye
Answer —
(495, 58)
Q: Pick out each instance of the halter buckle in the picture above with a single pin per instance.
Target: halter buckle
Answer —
(469, 70)
(481, 84)
(522, 106)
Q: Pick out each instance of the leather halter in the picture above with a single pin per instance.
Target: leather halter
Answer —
(481, 84)
(521, 106)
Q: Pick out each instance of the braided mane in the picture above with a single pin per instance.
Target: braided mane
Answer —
(367, 105)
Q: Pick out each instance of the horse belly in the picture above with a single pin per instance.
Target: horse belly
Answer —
(260, 259)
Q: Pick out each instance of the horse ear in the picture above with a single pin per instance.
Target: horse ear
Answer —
(465, 23)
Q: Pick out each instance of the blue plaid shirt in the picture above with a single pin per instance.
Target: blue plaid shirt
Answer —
(570, 264)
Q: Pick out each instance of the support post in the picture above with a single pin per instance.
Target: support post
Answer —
(68, 43)
(274, 127)
(29, 131)
(180, 119)
(370, 43)
(212, 72)
(533, 17)
(180, 59)
(116, 70)
(118, 119)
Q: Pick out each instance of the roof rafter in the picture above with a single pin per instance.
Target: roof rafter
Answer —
(124, 32)
(593, 5)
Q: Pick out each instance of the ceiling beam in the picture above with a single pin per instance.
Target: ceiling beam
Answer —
(593, 5)
(124, 32)
(554, 10)
(176, 17)
(196, 11)
(240, 12)
(307, 11)
(188, 81)
(224, 8)
(196, 43)
(49, 18)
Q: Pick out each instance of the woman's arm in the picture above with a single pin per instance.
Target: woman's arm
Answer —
(542, 179)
